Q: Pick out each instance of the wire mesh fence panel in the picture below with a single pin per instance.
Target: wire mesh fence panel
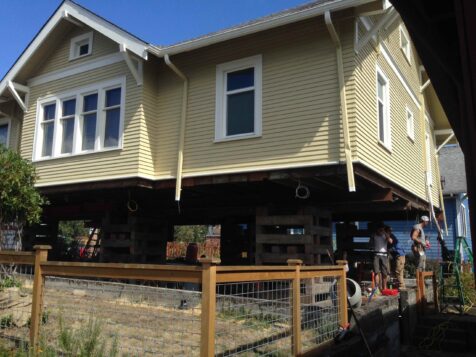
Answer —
(254, 318)
(319, 310)
(16, 285)
(120, 319)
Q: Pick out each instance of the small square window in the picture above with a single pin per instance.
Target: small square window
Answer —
(81, 46)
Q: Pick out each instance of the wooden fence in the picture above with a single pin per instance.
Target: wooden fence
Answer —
(209, 275)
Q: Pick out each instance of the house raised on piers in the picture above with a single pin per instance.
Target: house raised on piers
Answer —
(273, 129)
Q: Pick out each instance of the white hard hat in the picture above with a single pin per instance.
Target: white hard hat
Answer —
(425, 218)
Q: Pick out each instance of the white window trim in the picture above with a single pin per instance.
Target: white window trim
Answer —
(220, 104)
(408, 52)
(79, 93)
(73, 45)
(8, 121)
(411, 127)
(387, 142)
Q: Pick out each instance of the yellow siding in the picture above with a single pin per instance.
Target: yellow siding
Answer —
(59, 58)
(94, 166)
(405, 163)
(301, 109)
(149, 123)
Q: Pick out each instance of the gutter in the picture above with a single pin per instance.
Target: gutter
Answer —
(183, 120)
(343, 101)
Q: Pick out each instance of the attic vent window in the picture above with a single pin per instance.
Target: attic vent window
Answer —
(81, 46)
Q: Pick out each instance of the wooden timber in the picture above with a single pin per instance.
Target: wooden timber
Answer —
(304, 234)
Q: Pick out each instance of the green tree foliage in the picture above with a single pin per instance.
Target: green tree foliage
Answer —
(190, 234)
(71, 230)
(20, 202)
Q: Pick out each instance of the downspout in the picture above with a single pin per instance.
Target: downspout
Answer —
(183, 120)
(440, 191)
(343, 102)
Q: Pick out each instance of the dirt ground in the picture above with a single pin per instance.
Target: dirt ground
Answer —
(147, 321)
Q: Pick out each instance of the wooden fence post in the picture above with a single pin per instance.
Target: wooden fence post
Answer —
(296, 340)
(41, 255)
(344, 318)
(420, 283)
(435, 292)
(209, 282)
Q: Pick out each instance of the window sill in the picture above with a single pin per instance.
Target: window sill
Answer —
(412, 139)
(237, 137)
(387, 147)
(68, 156)
(79, 57)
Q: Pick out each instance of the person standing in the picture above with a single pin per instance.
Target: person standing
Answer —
(420, 242)
(398, 254)
(380, 241)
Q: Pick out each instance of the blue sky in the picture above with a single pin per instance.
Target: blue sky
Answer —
(157, 21)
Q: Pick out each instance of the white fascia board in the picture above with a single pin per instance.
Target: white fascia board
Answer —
(263, 25)
(109, 30)
(72, 10)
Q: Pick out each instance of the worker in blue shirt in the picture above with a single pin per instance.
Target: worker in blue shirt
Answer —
(398, 254)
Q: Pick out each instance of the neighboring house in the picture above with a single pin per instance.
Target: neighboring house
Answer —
(324, 105)
(453, 177)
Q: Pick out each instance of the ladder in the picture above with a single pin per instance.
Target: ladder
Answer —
(462, 250)
(451, 289)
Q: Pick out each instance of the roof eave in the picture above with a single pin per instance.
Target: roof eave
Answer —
(70, 9)
(266, 24)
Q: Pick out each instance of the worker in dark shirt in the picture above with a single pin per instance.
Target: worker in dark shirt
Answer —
(398, 254)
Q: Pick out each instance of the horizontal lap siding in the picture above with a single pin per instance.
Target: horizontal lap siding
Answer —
(94, 166)
(405, 164)
(149, 121)
(301, 109)
(59, 58)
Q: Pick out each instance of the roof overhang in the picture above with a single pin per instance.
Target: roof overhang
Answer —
(75, 13)
(257, 26)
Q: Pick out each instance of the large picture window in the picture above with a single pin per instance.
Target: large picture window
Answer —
(87, 120)
(238, 99)
(383, 110)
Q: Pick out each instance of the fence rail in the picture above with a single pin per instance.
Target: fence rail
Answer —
(206, 310)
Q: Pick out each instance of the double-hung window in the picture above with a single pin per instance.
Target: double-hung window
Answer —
(4, 131)
(405, 44)
(67, 121)
(87, 120)
(238, 99)
(383, 110)
(89, 116)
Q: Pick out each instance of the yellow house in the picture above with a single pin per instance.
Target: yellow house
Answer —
(322, 107)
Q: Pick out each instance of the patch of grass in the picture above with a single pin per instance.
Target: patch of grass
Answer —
(9, 282)
(6, 321)
(250, 319)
